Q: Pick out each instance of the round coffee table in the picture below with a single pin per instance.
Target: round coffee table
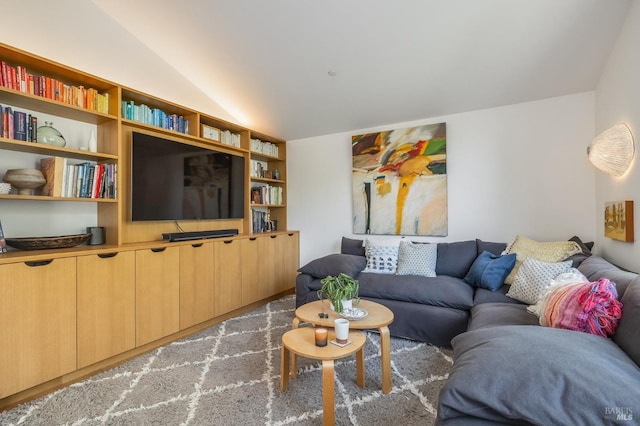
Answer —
(301, 341)
(379, 317)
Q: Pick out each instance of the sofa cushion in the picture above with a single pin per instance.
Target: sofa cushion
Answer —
(495, 248)
(595, 267)
(533, 278)
(352, 246)
(382, 255)
(417, 259)
(489, 270)
(544, 251)
(441, 291)
(495, 314)
(482, 295)
(547, 376)
(628, 332)
(455, 259)
(334, 264)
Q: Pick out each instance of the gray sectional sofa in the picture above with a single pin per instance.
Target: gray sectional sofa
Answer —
(507, 368)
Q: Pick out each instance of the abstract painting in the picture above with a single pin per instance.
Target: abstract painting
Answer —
(618, 220)
(400, 181)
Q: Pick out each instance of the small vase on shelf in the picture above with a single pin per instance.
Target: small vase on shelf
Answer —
(93, 142)
(49, 135)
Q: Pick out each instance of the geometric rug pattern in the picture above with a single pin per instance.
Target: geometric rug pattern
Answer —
(229, 374)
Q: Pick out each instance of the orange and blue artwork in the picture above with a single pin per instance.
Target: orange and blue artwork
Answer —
(400, 181)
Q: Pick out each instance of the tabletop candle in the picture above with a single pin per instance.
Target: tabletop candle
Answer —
(321, 337)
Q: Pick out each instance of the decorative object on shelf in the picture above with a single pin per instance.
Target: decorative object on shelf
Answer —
(212, 133)
(612, 150)
(93, 142)
(26, 180)
(341, 290)
(97, 235)
(41, 243)
(400, 181)
(276, 174)
(618, 220)
(5, 188)
(49, 135)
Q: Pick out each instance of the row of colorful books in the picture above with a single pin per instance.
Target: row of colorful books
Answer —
(267, 194)
(266, 148)
(260, 221)
(18, 78)
(82, 180)
(18, 125)
(154, 116)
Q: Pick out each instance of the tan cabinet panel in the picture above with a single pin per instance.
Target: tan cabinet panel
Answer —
(38, 317)
(196, 284)
(157, 293)
(106, 306)
(228, 276)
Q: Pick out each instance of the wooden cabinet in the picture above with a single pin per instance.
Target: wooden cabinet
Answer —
(106, 306)
(256, 269)
(157, 293)
(290, 260)
(38, 323)
(228, 276)
(196, 283)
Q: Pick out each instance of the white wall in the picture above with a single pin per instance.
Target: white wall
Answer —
(617, 99)
(519, 169)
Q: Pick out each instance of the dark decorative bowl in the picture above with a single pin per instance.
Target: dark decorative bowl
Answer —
(41, 243)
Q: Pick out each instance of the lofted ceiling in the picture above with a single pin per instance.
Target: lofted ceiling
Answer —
(302, 68)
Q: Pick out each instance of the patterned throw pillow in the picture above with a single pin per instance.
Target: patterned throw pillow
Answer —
(533, 278)
(551, 252)
(417, 259)
(382, 255)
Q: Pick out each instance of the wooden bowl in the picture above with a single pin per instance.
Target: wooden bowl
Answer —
(26, 180)
(41, 243)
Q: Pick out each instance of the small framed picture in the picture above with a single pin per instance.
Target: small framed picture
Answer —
(267, 174)
(212, 133)
(618, 220)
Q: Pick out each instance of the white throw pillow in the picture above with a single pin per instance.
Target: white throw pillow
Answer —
(382, 255)
(533, 278)
(571, 276)
(417, 259)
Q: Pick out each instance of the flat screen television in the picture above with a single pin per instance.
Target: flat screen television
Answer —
(177, 181)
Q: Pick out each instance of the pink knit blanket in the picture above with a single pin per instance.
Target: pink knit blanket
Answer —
(588, 307)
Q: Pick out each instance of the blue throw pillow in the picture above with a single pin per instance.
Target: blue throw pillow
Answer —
(490, 270)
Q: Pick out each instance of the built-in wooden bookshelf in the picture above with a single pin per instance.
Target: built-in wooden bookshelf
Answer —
(76, 311)
(39, 85)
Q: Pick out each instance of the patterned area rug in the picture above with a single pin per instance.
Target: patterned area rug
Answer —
(229, 374)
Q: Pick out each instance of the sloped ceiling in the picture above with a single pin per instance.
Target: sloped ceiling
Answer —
(266, 64)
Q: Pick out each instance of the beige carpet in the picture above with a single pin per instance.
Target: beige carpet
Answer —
(229, 374)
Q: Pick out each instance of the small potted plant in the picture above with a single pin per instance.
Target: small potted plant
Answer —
(341, 290)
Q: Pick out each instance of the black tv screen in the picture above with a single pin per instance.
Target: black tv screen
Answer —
(176, 181)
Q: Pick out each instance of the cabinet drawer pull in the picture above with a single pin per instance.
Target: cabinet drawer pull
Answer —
(196, 245)
(291, 235)
(107, 255)
(252, 239)
(158, 250)
(273, 236)
(227, 241)
(34, 263)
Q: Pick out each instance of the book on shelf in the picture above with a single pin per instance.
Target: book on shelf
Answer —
(18, 125)
(3, 243)
(53, 170)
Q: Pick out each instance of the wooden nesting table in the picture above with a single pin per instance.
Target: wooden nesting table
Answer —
(301, 341)
(379, 317)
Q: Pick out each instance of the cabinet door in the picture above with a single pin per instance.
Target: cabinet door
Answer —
(157, 293)
(38, 317)
(290, 261)
(106, 306)
(228, 276)
(256, 269)
(196, 284)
